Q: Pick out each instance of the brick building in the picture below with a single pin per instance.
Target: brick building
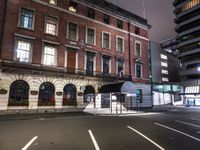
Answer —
(57, 54)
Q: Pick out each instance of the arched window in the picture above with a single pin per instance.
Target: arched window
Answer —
(19, 93)
(89, 94)
(69, 95)
(46, 94)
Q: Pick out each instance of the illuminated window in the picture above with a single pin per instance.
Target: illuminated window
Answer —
(165, 79)
(54, 2)
(72, 33)
(73, 6)
(51, 25)
(90, 38)
(23, 50)
(26, 18)
(164, 64)
(49, 56)
(120, 44)
(164, 71)
(163, 56)
(106, 40)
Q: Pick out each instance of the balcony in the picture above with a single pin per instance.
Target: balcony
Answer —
(189, 31)
(191, 62)
(33, 69)
(187, 22)
(189, 52)
(192, 71)
(188, 42)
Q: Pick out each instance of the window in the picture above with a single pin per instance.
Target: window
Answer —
(91, 13)
(138, 70)
(120, 67)
(54, 2)
(106, 64)
(27, 19)
(46, 94)
(89, 94)
(164, 71)
(90, 37)
(72, 31)
(106, 40)
(165, 79)
(89, 63)
(106, 19)
(137, 30)
(163, 56)
(73, 6)
(164, 64)
(138, 49)
(51, 25)
(19, 93)
(69, 95)
(120, 24)
(49, 56)
(120, 44)
(23, 50)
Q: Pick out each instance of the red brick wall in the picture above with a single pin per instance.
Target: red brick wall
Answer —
(11, 28)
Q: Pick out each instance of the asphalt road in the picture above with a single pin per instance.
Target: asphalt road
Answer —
(166, 130)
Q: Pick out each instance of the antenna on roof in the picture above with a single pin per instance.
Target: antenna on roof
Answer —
(144, 9)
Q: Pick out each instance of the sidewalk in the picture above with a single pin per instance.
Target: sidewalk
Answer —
(180, 108)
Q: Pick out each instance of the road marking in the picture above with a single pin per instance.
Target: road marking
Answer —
(161, 148)
(190, 136)
(188, 123)
(195, 119)
(93, 140)
(29, 143)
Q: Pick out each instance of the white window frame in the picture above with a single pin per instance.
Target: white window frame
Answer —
(17, 39)
(55, 59)
(141, 71)
(77, 34)
(57, 24)
(103, 32)
(109, 71)
(117, 48)
(19, 18)
(140, 43)
(86, 36)
(117, 67)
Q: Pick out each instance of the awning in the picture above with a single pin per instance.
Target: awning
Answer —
(122, 87)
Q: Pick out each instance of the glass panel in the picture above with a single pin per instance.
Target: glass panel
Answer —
(106, 40)
(120, 44)
(26, 18)
(90, 64)
(90, 36)
(49, 55)
(51, 25)
(120, 68)
(138, 71)
(69, 95)
(23, 51)
(105, 65)
(72, 31)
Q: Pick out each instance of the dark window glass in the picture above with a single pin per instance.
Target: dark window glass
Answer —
(19, 93)
(91, 13)
(138, 71)
(106, 19)
(26, 18)
(89, 94)
(69, 95)
(90, 63)
(106, 40)
(90, 36)
(46, 94)
(138, 49)
(120, 44)
(120, 67)
(137, 30)
(72, 31)
(106, 65)
(120, 24)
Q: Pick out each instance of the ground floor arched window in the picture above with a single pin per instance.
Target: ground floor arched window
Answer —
(46, 94)
(19, 93)
(69, 95)
(89, 94)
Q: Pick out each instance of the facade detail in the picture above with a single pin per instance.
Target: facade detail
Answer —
(57, 55)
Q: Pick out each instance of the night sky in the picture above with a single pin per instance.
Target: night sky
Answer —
(158, 12)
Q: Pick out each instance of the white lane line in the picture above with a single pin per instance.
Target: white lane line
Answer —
(93, 140)
(29, 143)
(190, 136)
(195, 119)
(161, 148)
(190, 124)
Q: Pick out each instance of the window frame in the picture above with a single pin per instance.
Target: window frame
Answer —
(104, 21)
(17, 39)
(141, 70)
(117, 46)
(91, 13)
(117, 63)
(55, 56)
(120, 24)
(57, 25)
(86, 35)
(77, 34)
(109, 63)
(104, 32)
(140, 43)
(33, 21)
(74, 10)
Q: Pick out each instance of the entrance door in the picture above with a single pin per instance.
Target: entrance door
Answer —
(71, 61)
